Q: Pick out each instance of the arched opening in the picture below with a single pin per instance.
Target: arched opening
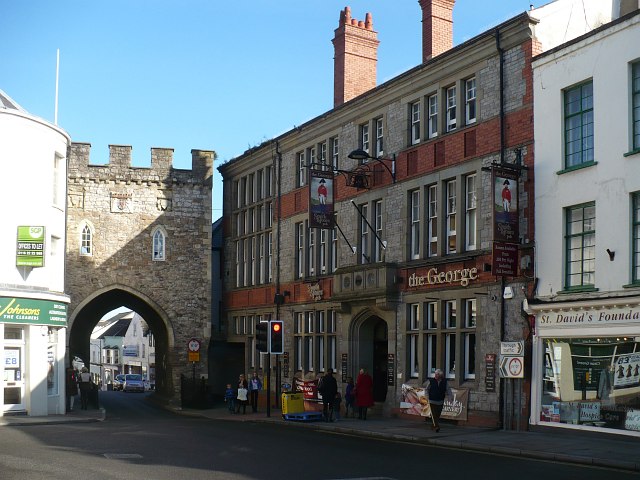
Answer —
(85, 318)
(371, 348)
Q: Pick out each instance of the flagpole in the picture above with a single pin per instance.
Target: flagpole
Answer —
(55, 115)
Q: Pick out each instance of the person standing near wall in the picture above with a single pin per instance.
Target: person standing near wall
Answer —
(255, 385)
(71, 387)
(85, 388)
(364, 393)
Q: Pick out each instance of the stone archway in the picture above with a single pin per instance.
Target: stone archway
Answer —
(370, 347)
(84, 318)
(140, 237)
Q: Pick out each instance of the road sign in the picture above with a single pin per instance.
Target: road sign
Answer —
(512, 367)
(512, 348)
(193, 345)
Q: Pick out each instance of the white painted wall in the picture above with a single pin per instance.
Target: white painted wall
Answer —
(28, 149)
(604, 58)
(564, 20)
(28, 146)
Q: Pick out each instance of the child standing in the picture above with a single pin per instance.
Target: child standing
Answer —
(336, 406)
(349, 398)
(230, 398)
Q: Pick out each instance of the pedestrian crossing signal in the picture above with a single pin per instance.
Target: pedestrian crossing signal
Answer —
(276, 337)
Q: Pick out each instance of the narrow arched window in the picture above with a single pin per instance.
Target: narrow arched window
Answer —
(86, 241)
(158, 245)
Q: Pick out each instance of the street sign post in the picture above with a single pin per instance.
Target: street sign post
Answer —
(512, 359)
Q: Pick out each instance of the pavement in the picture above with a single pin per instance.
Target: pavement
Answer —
(551, 444)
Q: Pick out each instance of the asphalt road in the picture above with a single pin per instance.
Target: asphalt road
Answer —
(140, 441)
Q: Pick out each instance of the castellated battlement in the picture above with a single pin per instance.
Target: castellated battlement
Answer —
(119, 168)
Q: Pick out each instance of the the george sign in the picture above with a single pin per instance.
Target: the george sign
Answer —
(512, 348)
(511, 367)
(462, 276)
(321, 212)
(30, 246)
(505, 259)
(37, 312)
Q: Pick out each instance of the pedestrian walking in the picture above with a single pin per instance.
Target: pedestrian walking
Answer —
(437, 391)
(71, 387)
(364, 393)
(230, 398)
(85, 388)
(328, 388)
(255, 385)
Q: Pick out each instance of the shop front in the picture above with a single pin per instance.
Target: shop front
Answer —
(32, 342)
(586, 365)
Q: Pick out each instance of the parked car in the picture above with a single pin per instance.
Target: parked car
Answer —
(133, 383)
(118, 381)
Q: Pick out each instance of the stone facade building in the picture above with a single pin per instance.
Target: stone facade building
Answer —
(410, 273)
(140, 238)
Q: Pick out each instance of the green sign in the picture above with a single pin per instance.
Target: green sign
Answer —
(30, 248)
(38, 312)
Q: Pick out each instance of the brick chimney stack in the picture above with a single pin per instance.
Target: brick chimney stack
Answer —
(356, 57)
(437, 27)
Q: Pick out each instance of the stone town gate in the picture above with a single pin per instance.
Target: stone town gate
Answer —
(114, 213)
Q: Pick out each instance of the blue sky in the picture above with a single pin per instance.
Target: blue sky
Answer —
(203, 74)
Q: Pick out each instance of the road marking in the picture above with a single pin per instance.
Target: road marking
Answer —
(120, 456)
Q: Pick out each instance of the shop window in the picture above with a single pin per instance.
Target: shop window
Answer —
(592, 381)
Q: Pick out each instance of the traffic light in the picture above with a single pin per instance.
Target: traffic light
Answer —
(262, 334)
(276, 336)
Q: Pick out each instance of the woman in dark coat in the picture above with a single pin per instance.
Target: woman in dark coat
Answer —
(364, 393)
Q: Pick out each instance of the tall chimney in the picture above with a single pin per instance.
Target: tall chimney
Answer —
(437, 27)
(356, 57)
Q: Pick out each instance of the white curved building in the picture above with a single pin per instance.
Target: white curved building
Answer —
(33, 305)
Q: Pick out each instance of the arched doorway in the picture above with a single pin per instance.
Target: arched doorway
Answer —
(371, 348)
(85, 317)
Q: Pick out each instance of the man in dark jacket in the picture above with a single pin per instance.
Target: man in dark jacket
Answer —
(328, 388)
(437, 391)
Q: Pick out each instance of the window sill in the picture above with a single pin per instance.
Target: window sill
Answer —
(578, 290)
(632, 152)
(576, 167)
(635, 284)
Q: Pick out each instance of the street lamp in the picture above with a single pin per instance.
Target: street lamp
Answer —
(361, 155)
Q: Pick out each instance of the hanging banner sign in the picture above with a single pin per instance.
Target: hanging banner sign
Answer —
(505, 205)
(321, 210)
(505, 259)
(30, 247)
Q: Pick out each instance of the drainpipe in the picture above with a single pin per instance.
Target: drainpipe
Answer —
(502, 397)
